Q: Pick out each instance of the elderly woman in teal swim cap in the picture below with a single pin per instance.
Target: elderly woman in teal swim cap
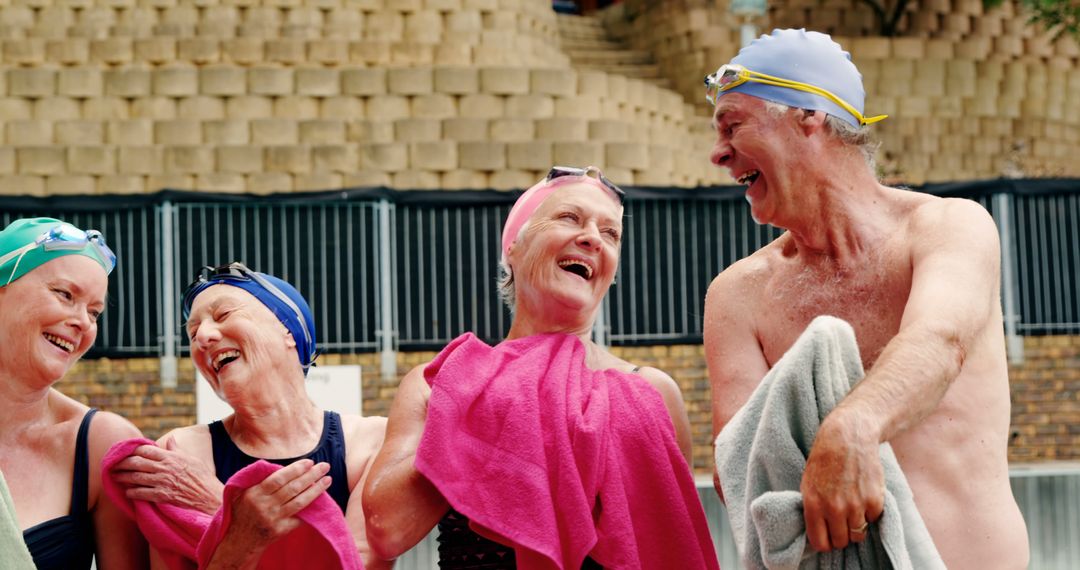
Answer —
(53, 282)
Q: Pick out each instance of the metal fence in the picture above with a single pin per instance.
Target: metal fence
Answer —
(385, 270)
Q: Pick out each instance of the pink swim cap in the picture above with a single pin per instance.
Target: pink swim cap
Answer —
(527, 204)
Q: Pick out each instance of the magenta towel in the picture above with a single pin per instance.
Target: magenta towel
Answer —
(559, 461)
(187, 538)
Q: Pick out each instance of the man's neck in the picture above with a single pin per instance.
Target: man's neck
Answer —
(845, 216)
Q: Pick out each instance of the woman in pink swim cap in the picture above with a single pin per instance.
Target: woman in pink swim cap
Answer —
(559, 254)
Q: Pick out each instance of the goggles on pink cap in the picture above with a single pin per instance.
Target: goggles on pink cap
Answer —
(531, 200)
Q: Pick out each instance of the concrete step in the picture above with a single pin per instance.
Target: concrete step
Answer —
(644, 71)
(613, 57)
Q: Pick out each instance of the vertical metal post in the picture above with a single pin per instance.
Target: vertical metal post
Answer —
(599, 328)
(747, 32)
(168, 298)
(388, 356)
(1014, 343)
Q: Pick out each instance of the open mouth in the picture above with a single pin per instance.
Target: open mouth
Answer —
(223, 358)
(65, 345)
(749, 177)
(578, 267)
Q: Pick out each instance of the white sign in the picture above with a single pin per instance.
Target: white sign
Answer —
(334, 388)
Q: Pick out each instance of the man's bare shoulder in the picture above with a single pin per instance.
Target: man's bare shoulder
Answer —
(746, 275)
(952, 220)
(958, 213)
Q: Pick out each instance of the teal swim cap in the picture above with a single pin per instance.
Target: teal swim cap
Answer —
(29, 242)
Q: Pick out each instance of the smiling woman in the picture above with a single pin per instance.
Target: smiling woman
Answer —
(253, 339)
(528, 451)
(53, 280)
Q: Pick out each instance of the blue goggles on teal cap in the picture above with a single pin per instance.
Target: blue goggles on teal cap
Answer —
(62, 237)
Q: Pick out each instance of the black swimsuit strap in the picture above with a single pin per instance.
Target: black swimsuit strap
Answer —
(80, 479)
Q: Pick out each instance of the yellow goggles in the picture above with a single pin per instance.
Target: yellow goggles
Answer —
(732, 75)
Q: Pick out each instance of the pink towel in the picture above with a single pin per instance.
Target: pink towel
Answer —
(184, 536)
(559, 461)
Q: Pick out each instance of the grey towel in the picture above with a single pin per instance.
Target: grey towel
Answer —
(761, 454)
(13, 552)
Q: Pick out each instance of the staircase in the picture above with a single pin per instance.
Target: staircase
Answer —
(590, 47)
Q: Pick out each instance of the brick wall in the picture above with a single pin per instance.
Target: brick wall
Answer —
(1046, 405)
(1046, 400)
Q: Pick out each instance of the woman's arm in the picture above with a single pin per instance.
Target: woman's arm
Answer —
(673, 399)
(173, 472)
(400, 505)
(119, 544)
(365, 440)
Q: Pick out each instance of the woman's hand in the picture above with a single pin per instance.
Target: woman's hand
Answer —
(267, 511)
(169, 475)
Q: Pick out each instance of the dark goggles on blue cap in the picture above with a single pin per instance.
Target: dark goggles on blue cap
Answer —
(237, 271)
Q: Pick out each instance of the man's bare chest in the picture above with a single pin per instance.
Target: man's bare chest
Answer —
(872, 301)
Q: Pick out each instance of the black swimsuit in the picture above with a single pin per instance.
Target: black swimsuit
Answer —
(67, 542)
(228, 458)
(460, 548)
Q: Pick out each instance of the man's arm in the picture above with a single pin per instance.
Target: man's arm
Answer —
(954, 294)
(732, 351)
(400, 505)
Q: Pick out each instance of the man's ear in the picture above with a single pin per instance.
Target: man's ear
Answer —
(811, 121)
(289, 340)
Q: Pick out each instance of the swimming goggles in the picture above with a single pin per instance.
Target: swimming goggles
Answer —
(237, 271)
(732, 75)
(560, 171)
(64, 237)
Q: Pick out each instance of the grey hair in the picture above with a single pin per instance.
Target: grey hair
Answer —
(505, 281)
(859, 137)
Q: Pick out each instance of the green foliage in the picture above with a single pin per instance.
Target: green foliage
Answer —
(1058, 16)
(888, 14)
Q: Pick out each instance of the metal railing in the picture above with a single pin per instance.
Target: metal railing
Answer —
(385, 270)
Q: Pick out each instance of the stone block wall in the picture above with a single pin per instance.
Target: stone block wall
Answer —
(260, 96)
(1046, 406)
(971, 93)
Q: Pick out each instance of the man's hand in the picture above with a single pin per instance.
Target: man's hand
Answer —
(843, 486)
(168, 475)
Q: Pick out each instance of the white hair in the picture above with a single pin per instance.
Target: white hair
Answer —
(505, 281)
(858, 137)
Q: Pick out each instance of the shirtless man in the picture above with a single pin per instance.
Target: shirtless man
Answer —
(916, 276)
